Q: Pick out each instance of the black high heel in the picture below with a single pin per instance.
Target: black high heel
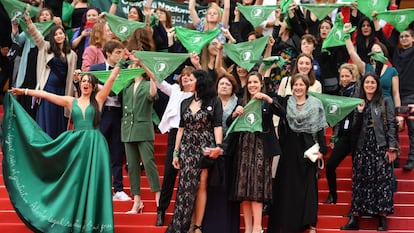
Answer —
(382, 223)
(352, 224)
(331, 199)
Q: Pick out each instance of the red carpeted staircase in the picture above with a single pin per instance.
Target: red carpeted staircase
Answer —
(330, 216)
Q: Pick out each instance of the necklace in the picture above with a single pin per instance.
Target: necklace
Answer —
(300, 105)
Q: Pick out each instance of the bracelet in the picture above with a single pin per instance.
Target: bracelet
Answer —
(25, 91)
(176, 154)
(120, 63)
(218, 145)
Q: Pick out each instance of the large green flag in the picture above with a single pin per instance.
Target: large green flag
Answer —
(15, 7)
(246, 53)
(122, 27)
(323, 10)
(43, 27)
(160, 63)
(400, 19)
(193, 40)
(256, 14)
(368, 6)
(336, 107)
(336, 36)
(124, 77)
(250, 121)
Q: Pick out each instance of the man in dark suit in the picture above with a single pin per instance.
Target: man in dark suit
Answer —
(111, 120)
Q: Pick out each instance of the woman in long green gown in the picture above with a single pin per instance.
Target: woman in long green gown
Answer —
(61, 185)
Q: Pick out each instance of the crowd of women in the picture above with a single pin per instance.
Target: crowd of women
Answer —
(220, 176)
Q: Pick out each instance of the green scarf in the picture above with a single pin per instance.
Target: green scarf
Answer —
(378, 57)
(310, 119)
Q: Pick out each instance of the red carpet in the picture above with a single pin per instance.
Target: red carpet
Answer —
(330, 216)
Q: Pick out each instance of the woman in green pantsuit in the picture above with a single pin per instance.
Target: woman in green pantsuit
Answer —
(137, 133)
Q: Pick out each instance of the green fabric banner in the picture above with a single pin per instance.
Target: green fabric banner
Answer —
(246, 53)
(124, 77)
(256, 14)
(269, 61)
(250, 121)
(336, 36)
(369, 6)
(323, 10)
(284, 6)
(15, 7)
(193, 40)
(160, 63)
(43, 27)
(122, 27)
(60, 185)
(400, 19)
(336, 107)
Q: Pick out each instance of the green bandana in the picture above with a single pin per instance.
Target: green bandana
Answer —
(43, 27)
(15, 7)
(400, 19)
(378, 57)
(269, 61)
(284, 6)
(160, 63)
(336, 36)
(256, 14)
(244, 54)
(336, 107)
(193, 40)
(368, 6)
(322, 10)
(122, 27)
(124, 77)
(250, 121)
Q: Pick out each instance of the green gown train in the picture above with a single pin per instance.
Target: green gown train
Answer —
(61, 185)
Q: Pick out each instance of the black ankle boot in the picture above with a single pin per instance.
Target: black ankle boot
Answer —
(160, 218)
(331, 199)
(352, 224)
(382, 223)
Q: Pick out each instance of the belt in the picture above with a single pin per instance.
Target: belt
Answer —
(111, 108)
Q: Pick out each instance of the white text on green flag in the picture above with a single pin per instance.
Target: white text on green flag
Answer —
(400, 19)
(336, 107)
(256, 14)
(123, 79)
(250, 121)
(160, 63)
(193, 40)
(245, 54)
(122, 27)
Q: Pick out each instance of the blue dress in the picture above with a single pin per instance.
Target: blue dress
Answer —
(50, 117)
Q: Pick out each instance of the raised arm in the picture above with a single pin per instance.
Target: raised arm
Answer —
(193, 13)
(64, 101)
(103, 93)
(351, 51)
(226, 14)
(36, 35)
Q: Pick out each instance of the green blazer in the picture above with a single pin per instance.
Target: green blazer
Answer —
(136, 123)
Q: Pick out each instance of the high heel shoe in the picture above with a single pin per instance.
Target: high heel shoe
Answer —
(140, 209)
(331, 199)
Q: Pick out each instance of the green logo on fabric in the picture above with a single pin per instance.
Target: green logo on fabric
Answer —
(251, 119)
(122, 29)
(246, 56)
(161, 67)
(197, 40)
(401, 18)
(257, 13)
(372, 4)
(333, 109)
(338, 35)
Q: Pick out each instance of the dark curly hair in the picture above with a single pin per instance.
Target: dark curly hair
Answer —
(204, 87)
